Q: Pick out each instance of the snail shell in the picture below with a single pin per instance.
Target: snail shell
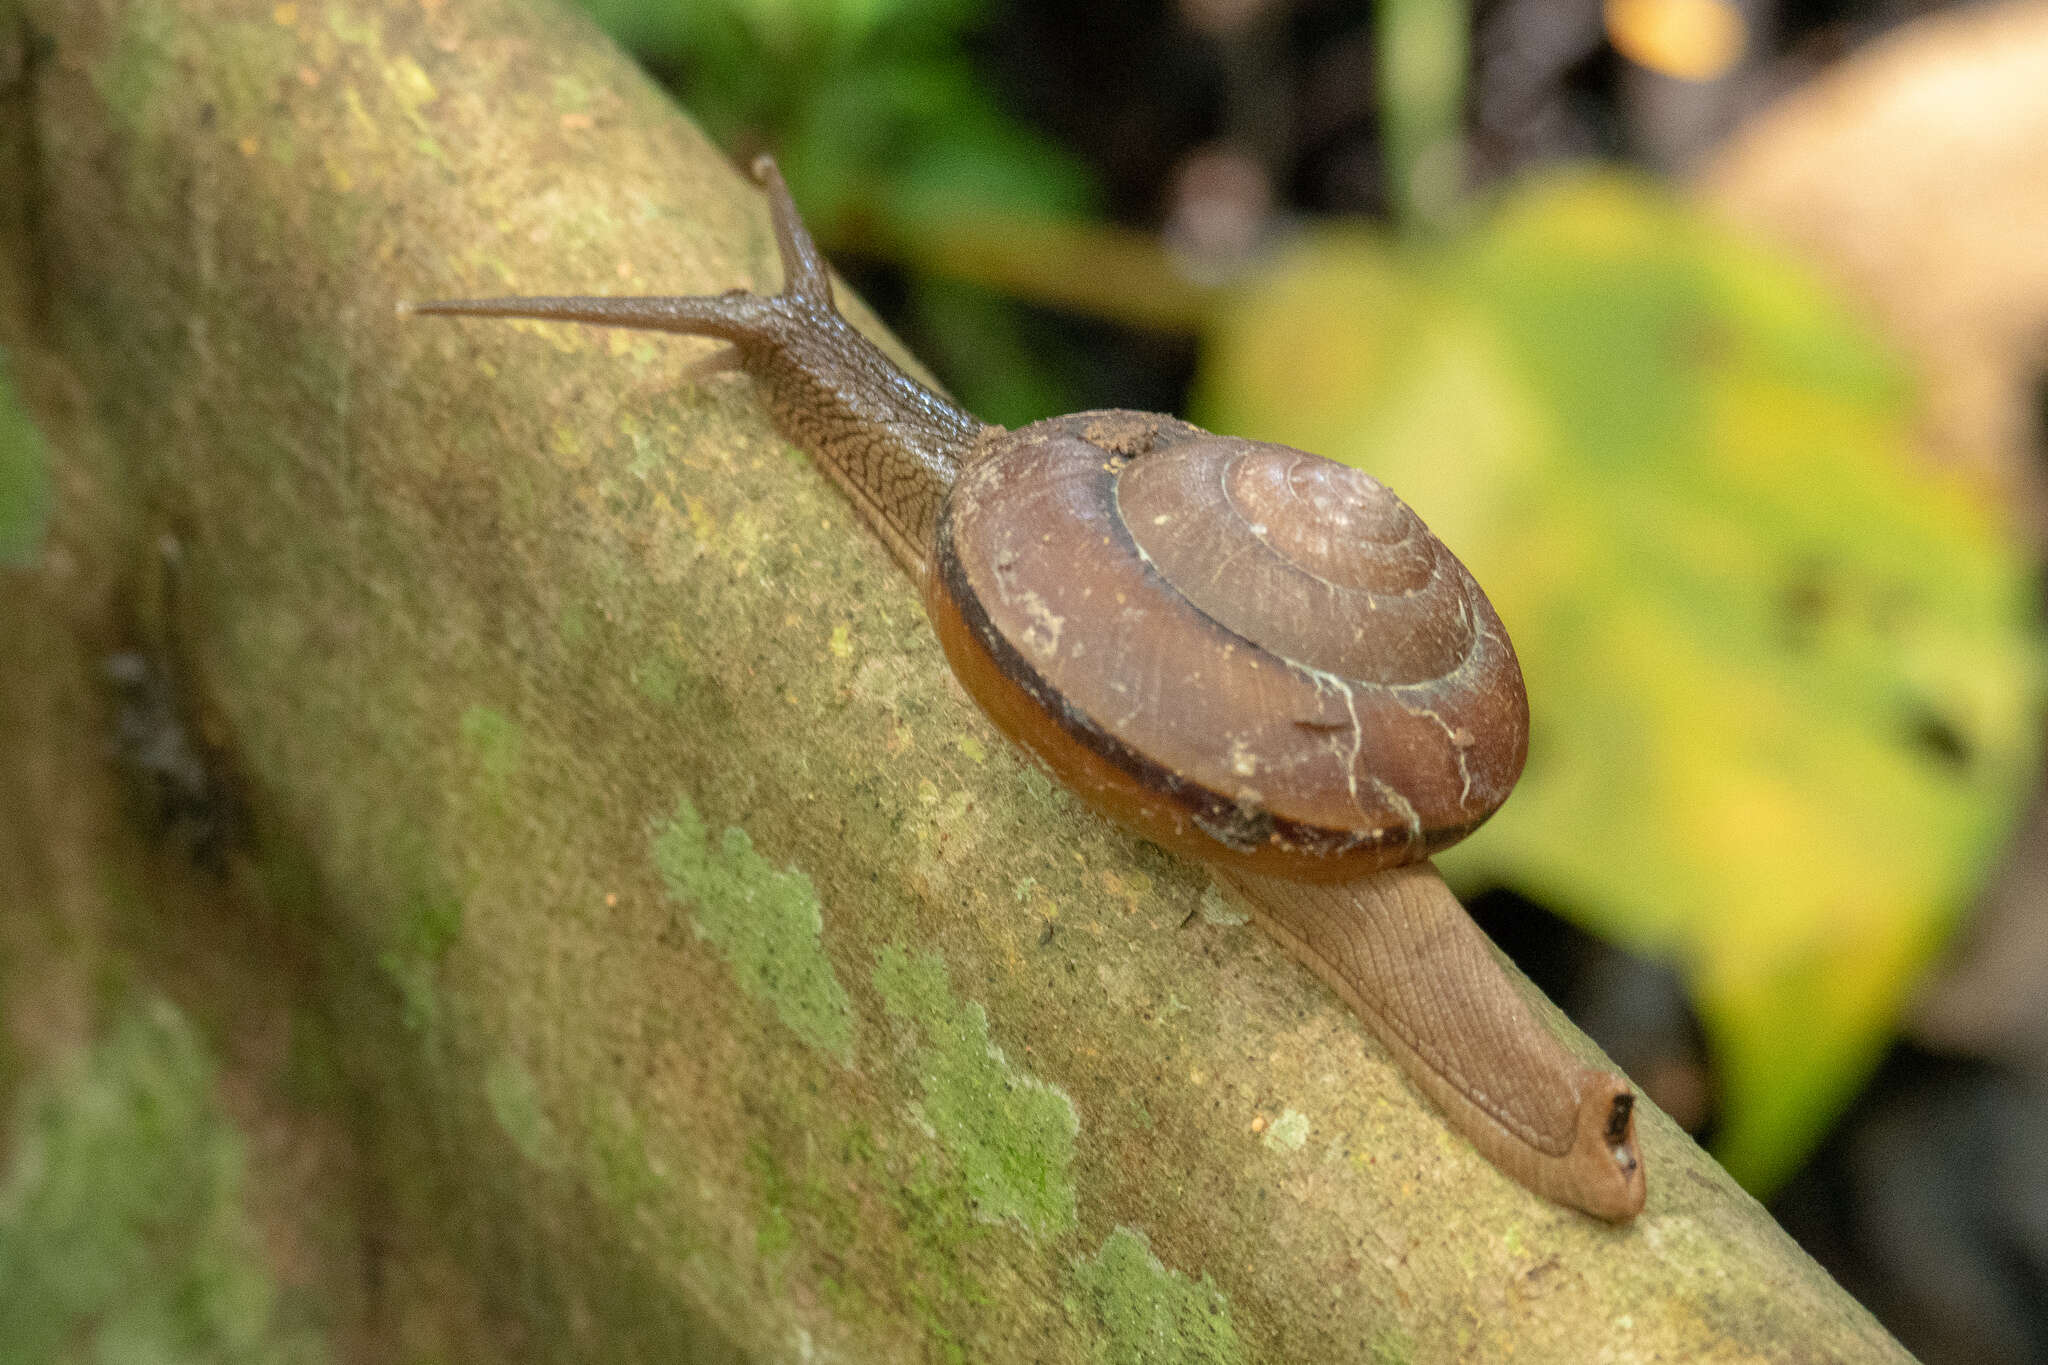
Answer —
(1268, 662)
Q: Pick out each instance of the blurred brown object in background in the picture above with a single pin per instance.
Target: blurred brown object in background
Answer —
(1986, 1001)
(1219, 212)
(1912, 173)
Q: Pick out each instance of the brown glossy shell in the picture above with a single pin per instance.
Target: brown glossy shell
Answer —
(1247, 653)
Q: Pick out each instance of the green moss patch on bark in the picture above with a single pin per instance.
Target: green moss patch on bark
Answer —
(515, 1104)
(1150, 1315)
(764, 921)
(123, 1234)
(24, 478)
(1012, 1134)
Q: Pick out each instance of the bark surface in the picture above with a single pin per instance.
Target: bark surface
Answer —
(703, 978)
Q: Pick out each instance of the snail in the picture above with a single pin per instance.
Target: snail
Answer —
(1251, 655)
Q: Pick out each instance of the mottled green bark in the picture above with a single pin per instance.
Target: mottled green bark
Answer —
(703, 978)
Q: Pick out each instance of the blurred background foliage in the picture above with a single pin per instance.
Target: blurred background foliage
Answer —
(1786, 664)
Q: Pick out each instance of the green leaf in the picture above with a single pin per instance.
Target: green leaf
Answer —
(978, 345)
(872, 105)
(1786, 675)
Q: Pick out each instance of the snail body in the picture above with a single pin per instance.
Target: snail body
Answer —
(1246, 653)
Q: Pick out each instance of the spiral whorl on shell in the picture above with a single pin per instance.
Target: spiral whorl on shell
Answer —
(1256, 656)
